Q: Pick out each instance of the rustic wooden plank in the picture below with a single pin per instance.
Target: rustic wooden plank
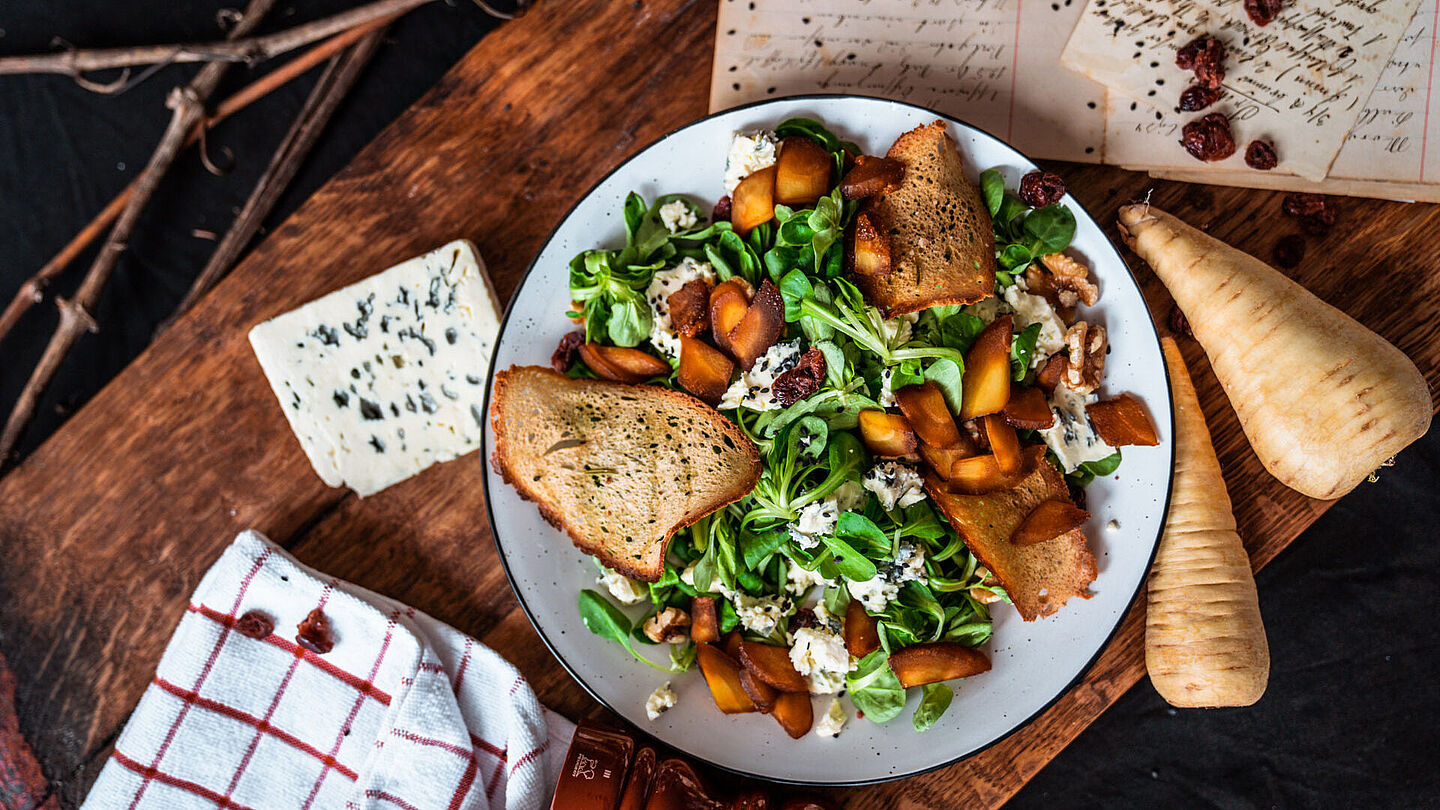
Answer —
(107, 528)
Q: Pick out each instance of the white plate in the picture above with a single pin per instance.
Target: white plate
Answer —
(1033, 663)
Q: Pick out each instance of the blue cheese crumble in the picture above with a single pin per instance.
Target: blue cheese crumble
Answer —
(660, 700)
(623, 588)
(882, 589)
(1071, 437)
(798, 580)
(662, 285)
(832, 722)
(895, 484)
(815, 519)
(749, 153)
(819, 655)
(1032, 309)
(899, 330)
(754, 389)
(676, 216)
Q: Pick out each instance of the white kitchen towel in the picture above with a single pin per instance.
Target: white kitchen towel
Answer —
(403, 712)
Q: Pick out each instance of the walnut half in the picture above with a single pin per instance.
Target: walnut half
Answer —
(1071, 280)
(670, 624)
(1087, 357)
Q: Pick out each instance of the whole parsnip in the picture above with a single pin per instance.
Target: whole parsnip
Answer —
(1323, 400)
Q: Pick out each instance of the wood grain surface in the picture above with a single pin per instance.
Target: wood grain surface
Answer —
(107, 529)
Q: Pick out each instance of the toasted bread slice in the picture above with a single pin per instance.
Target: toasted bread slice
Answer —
(620, 468)
(942, 243)
(1039, 578)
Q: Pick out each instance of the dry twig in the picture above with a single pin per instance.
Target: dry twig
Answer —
(187, 106)
(77, 62)
(334, 84)
(33, 290)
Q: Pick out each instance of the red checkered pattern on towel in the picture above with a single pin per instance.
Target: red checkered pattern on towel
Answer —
(404, 712)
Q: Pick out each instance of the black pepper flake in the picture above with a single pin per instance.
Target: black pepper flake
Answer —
(370, 410)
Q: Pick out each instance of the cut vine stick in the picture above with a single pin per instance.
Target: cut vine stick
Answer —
(77, 62)
(335, 83)
(32, 291)
(187, 106)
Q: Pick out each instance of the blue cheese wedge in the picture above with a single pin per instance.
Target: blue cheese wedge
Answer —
(386, 377)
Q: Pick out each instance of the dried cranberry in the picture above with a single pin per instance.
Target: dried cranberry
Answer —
(802, 380)
(1204, 56)
(1039, 189)
(1262, 12)
(1314, 211)
(1208, 138)
(255, 624)
(1179, 324)
(1289, 250)
(1197, 97)
(564, 356)
(1303, 205)
(1261, 155)
(804, 617)
(721, 212)
(315, 634)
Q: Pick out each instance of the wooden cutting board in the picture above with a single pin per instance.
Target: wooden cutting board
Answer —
(107, 529)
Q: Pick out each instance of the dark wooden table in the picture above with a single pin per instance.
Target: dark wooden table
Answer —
(107, 528)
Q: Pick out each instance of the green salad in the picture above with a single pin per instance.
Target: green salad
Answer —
(840, 554)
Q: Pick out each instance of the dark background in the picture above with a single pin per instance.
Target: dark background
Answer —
(1350, 718)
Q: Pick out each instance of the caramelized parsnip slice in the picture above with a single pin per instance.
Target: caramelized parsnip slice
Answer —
(802, 171)
(872, 176)
(985, 384)
(924, 407)
(704, 370)
(762, 326)
(887, 434)
(704, 620)
(868, 247)
(1051, 372)
(1047, 521)
(1003, 443)
(690, 308)
(753, 202)
(772, 665)
(862, 634)
(728, 303)
(722, 675)
(937, 661)
(1028, 409)
(981, 475)
(942, 459)
(1122, 421)
(622, 364)
(762, 694)
(794, 713)
(732, 644)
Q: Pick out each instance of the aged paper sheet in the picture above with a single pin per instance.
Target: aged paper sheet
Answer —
(989, 62)
(1386, 154)
(995, 63)
(1302, 81)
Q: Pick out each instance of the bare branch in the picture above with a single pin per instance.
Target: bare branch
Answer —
(334, 84)
(33, 291)
(78, 62)
(187, 106)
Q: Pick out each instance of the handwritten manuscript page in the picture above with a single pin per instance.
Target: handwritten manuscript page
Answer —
(991, 63)
(1301, 81)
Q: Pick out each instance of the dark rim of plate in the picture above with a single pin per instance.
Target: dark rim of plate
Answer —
(486, 449)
